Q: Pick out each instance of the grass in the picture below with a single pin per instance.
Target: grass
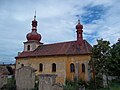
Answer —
(113, 86)
(70, 85)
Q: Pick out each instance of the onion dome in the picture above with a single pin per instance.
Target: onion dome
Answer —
(34, 35)
(79, 26)
(79, 31)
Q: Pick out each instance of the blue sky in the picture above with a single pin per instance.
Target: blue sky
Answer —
(56, 22)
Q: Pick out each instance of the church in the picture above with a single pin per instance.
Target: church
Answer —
(67, 60)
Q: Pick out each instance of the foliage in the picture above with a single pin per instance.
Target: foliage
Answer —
(100, 60)
(74, 84)
(105, 60)
(36, 87)
(91, 85)
(11, 84)
(114, 66)
(10, 70)
(101, 56)
(70, 85)
(113, 86)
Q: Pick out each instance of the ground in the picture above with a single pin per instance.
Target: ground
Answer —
(113, 86)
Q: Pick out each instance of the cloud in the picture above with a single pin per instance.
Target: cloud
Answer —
(56, 22)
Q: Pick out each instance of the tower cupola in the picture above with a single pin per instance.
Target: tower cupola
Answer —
(79, 26)
(79, 31)
(34, 35)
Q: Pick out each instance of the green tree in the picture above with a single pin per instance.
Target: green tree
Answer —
(114, 66)
(100, 60)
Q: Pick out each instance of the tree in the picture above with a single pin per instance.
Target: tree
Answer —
(114, 67)
(100, 60)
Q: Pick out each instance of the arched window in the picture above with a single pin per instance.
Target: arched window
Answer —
(83, 67)
(28, 47)
(72, 67)
(53, 67)
(22, 65)
(40, 67)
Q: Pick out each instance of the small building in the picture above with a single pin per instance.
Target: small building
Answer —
(68, 60)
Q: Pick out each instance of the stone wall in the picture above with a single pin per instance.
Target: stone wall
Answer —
(47, 82)
(3, 76)
(3, 80)
(25, 78)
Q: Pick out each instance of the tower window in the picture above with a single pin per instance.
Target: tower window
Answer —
(53, 67)
(22, 65)
(83, 67)
(28, 47)
(72, 67)
(40, 67)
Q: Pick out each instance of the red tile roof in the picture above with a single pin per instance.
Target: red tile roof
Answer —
(63, 48)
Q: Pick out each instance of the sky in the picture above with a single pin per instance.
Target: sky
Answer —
(56, 22)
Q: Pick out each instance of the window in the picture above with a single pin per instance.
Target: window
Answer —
(28, 47)
(22, 65)
(72, 67)
(83, 67)
(40, 67)
(53, 67)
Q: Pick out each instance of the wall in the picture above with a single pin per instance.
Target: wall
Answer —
(47, 66)
(47, 82)
(3, 80)
(62, 64)
(25, 78)
(33, 45)
(81, 59)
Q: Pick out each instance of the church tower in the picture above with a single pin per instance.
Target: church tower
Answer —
(33, 38)
(79, 31)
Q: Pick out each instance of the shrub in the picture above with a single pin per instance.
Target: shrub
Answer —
(74, 85)
(11, 84)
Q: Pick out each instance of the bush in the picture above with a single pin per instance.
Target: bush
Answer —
(11, 84)
(36, 87)
(74, 85)
(91, 84)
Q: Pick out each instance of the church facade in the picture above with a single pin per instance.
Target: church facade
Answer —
(67, 60)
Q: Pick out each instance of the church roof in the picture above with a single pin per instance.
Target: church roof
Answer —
(57, 49)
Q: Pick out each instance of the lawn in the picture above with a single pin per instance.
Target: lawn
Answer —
(113, 86)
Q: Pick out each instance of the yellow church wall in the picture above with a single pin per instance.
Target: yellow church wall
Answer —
(47, 65)
(62, 65)
(80, 59)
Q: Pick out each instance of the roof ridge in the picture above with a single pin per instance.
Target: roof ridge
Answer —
(57, 43)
